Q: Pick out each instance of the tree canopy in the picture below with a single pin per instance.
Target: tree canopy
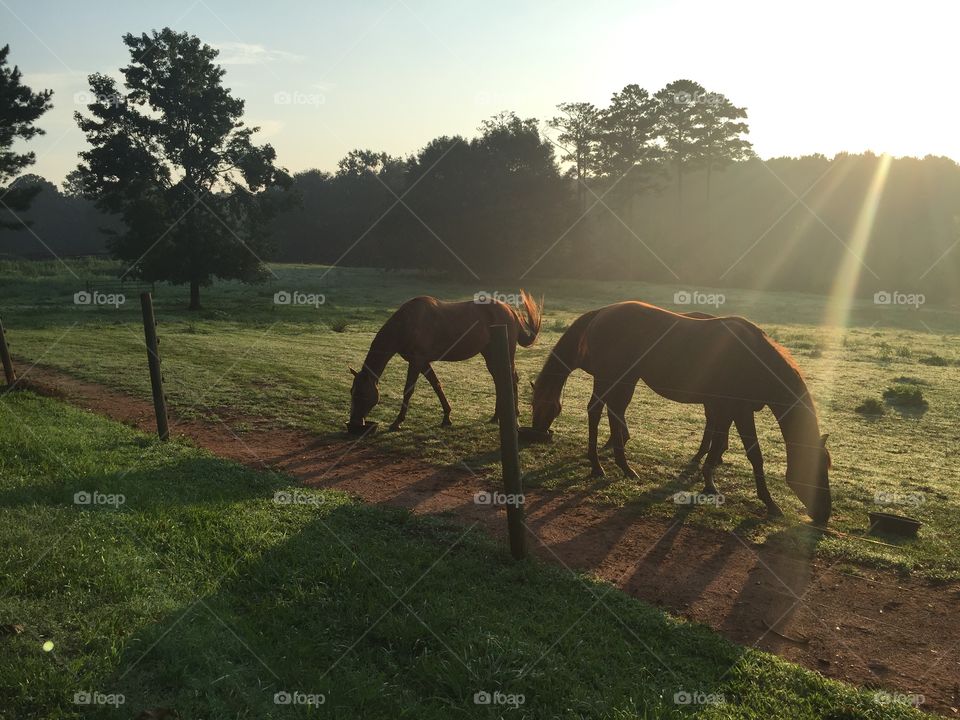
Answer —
(20, 108)
(170, 154)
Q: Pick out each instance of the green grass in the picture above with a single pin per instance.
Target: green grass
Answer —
(199, 592)
(245, 356)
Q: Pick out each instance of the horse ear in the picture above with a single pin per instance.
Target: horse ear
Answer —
(354, 372)
(823, 439)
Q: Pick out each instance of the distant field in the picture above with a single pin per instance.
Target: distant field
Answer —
(181, 584)
(245, 356)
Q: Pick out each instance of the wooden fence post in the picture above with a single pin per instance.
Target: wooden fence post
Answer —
(509, 446)
(8, 372)
(153, 359)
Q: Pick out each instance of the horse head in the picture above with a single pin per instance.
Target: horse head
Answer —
(809, 479)
(364, 395)
(546, 406)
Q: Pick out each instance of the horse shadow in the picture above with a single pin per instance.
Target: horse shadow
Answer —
(773, 592)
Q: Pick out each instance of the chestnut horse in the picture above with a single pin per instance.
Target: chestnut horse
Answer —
(727, 364)
(424, 330)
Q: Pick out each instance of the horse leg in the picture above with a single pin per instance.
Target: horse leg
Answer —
(496, 409)
(720, 433)
(707, 436)
(413, 372)
(609, 444)
(747, 429)
(617, 400)
(594, 413)
(434, 381)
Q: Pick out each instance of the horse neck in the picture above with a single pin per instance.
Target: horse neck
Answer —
(798, 423)
(382, 349)
(554, 375)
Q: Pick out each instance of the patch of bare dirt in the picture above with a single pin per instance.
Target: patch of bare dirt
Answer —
(872, 628)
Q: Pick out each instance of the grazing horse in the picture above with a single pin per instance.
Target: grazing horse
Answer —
(727, 364)
(424, 330)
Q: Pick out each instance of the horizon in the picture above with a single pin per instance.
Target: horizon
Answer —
(318, 91)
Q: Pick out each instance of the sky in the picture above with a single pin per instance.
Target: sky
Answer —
(321, 78)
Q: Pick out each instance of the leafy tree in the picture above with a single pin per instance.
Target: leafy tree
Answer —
(20, 108)
(678, 115)
(579, 129)
(171, 155)
(719, 135)
(628, 152)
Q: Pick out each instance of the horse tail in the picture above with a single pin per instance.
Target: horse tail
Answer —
(529, 326)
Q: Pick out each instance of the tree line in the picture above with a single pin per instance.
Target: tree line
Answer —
(660, 186)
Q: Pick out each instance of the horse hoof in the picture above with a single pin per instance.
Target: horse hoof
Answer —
(446, 422)
(395, 426)
(630, 473)
(598, 473)
(774, 510)
(710, 490)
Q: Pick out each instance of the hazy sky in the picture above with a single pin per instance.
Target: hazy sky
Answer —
(323, 77)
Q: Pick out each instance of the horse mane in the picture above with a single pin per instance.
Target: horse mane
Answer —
(529, 325)
(775, 356)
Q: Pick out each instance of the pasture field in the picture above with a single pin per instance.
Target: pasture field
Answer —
(182, 583)
(244, 357)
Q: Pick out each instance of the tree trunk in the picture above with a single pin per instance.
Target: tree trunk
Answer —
(194, 295)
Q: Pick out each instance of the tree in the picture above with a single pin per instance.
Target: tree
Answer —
(628, 154)
(20, 108)
(677, 117)
(720, 127)
(579, 129)
(171, 155)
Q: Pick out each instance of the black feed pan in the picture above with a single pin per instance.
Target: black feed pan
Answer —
(890, 524)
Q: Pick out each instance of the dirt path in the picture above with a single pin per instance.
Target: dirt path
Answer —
(872, 628)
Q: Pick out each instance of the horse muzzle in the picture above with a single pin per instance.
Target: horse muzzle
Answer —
(533, 435)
